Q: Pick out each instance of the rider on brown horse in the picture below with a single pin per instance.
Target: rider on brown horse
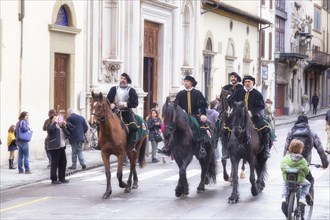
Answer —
(255, 103)
(124, 97)
(193, 102)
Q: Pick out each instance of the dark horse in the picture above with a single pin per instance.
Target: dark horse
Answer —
(223, 133)
(179, 136)
(245, 142)
(112, 139)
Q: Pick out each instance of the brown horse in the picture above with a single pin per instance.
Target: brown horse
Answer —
(112, 139)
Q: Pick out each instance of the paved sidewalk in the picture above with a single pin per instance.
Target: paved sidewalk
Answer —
(40, 172)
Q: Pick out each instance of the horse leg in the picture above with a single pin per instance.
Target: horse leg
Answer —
(242, 174)
(183, 186)
(106, 162)
(234, 197)
(132, 159)
(120, 163)
(254, 187)
(204, 165)
(225, 173)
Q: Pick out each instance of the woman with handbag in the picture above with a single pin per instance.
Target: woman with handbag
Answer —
(23, 137)
(56, 147)
(154, 124)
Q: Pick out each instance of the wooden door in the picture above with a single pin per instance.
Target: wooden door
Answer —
(150, 74)
(60, 83)
(280, 100)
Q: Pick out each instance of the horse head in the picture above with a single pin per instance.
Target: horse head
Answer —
(98, 107)
(240, 119)
(224, 104)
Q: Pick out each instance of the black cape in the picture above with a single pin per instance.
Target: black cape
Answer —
(198, 102)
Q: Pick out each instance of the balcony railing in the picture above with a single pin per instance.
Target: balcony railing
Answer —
(320, 58)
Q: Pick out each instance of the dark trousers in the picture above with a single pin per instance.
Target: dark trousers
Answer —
(314, 109)
(58, 164)
(310, 178)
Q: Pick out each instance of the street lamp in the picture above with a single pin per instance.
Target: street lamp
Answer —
(277, 55)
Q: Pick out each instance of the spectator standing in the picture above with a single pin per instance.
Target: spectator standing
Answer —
(154, 125)
(12, 147)
(304, 101)
(327, 129)
(56, 148)
(23, 146)
(77, 127)
(51, 114)
(315, 102)
(212, 115)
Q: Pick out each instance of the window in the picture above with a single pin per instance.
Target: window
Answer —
(317, 19)
(280, 5)
(270, 46)
(62, 18)
(279, 34)
(262, 47)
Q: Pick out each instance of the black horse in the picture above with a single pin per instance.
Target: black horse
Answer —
(245, 142)
(223, 133)
(179, 136)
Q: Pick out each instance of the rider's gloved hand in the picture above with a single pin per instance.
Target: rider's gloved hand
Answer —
(250, 113)
(112, 106)
(203, 118)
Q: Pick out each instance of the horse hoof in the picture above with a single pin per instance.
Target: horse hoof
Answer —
(233, 200)
(226, 177)
(127, 190)
(122, 185)
(106, 195)
(135, 186)
(178, 194)
(200, 189)
(254, 191)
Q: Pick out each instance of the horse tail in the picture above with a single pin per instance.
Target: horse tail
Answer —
(213, 168)
(142, 152)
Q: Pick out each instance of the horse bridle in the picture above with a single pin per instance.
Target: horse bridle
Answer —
(243, 131)
(99, 117)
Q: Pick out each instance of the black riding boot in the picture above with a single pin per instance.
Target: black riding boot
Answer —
(265, 141)
(131, 141)
(11, 164)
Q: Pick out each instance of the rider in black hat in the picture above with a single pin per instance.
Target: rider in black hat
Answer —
(234, 84)
(254, 102)
(193, 102)
(124, 98)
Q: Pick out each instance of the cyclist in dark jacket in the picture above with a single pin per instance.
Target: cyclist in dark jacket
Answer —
(307, 152)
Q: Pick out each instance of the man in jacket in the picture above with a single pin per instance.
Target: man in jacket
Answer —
(193, 102)
(77, 127)
(124, 98)
(254, 103)
(234, 84)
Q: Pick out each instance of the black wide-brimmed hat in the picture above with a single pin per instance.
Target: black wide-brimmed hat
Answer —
(191, 79)
(129, 81)
(249, 78)
(239, 79)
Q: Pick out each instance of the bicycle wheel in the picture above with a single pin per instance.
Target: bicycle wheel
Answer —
(309, 209)
(291, 204)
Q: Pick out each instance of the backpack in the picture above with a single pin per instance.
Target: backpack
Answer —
(302, 132)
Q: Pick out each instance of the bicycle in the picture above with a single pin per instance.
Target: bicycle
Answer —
(295, 210)
(91, 140)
